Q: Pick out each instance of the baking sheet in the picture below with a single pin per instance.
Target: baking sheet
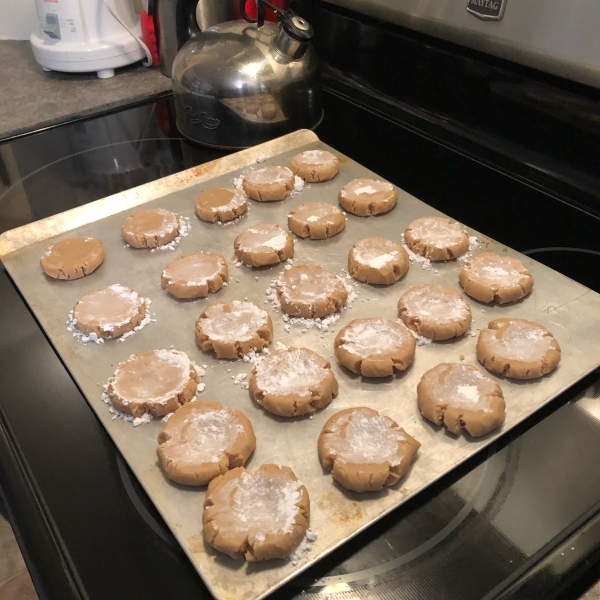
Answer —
(569, 310)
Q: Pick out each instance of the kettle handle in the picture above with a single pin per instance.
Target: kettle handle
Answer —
(260, 12)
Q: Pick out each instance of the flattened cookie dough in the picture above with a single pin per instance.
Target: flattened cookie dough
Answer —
(315, 165)
(268, 184)
(311, 292)
(156, 382)
(517, 348)
(460, 397)
(377, 261)
(366, 197)
(436, 238)
(256, 516)
(202, 440)
(435, 311)
(264, 244)
(150, 228)
(490, 277)
(234, 328)
(221, 204)
(73, 258)
(110, 312)
(375, 347)
(364, 450)
(195, 274)
(316, 220)
(293, 382)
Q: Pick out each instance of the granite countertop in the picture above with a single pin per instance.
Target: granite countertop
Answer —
(31, 98)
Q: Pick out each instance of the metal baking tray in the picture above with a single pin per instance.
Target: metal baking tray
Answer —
(569, 310)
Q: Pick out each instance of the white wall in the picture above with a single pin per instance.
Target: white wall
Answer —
(18, 19)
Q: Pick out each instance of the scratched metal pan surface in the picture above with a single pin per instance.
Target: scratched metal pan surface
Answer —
(569, 310)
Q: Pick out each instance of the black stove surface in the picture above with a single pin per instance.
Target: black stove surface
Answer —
(520, 521)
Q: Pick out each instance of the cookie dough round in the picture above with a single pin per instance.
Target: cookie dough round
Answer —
(364, 450)
(517, 349)
(221, 204)
(366, 197)
(150, 228)
(490, 277)
(436, 238)
(195, 274)
(232, 329)
(264, 244)
(293, 382)
(435, 311)
(268, 184)
(73, 258)
(156, 382)
(202, 440)
(377, 261)
(256, 516)
(460, 397)
(316, 220)
(375, 347)
(311, 292)
(110, 312)
(315, 165)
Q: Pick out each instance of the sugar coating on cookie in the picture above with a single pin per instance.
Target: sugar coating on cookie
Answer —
(256, 516)
(377, 261)
(316, 220)
(459, 397)
(311, 292)
(264, 244)
(73, 258)
(366, 197)
(234, 328)
(375, 347)
(150, 228)
(435, 311)
(293, 382)
(364, 450)
(202, 440)
(221, 204)
(490, 277)
(155, 382)
(315, 165)
(268, 184)
(517, 348)
(195, 274)
(436, 238)
(110, 312)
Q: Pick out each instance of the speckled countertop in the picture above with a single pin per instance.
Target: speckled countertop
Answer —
(31, 98)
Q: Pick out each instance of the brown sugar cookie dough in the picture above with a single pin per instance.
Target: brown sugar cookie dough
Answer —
(490, 277)
(375, 347)
(315, 165)
(366, 197)
(256, 516)
(461, 397)
(517, 348)
(377, 261)
(311, 292)
(195, 274)
(293, 382)
(435, 311)
(156, 382)
(150, 228)
(316, 220)
(436, 238)
(202, 440)
(73, 258)
(221, 204)
(264, 244)
(234, 328)
(364, 450)
(110, 312)
(268, 184)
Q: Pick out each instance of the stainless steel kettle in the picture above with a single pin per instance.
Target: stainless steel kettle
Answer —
(242, 83)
